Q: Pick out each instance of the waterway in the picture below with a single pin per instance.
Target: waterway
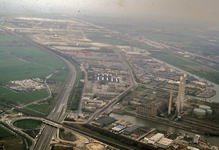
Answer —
(143, 122)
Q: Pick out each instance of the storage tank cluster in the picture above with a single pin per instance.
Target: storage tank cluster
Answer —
(108, 78)
(202, 110)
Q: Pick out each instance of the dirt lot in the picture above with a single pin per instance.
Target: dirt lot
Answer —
(69, 136)
(94, 146)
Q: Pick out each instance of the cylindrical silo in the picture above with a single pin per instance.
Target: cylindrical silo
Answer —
(209, 112)
(199, 112)
(204, 107)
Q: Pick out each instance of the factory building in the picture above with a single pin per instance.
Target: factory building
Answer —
(152, 108)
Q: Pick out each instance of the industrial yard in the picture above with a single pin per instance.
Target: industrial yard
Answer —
(151, 136)
(117, 77)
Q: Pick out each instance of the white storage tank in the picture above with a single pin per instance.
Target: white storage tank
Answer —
(204, 107)
(209, 112)
(199, 112)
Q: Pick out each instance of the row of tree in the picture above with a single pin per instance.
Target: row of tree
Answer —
(76, 96)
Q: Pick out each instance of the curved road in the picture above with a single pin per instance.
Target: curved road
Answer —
(58, 112)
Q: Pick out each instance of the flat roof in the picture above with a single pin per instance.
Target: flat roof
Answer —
(165, 141)
(104, 120)
(132, 128)
(156, 137)
(118, 128)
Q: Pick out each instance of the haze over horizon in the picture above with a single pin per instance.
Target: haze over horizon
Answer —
(200, 10)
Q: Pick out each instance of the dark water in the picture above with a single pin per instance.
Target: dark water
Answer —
(143, 122)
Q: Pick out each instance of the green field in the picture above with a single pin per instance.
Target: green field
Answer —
(7, 38)
(79, 74)
(23, 72)
(172, 59)
(31, 54)
(39, 107)
(4, 132)
(43, 108)
(28, 123)
(60, 76)
(13, 143)
(25, 62)
(127, 108)
(27, 97)
(74, 96)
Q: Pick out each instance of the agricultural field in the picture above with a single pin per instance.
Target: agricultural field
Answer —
(44, 107)
(39, 107)
(28, 123)
(27, 97)
(4, 132)
(7, 38)
(20, 61)
(60, 76)
(23, 98)
(14, 144)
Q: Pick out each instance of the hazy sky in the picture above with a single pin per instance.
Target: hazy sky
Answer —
(191, 9)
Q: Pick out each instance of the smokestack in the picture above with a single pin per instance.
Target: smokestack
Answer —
(179, 96)
(183, 91)
(170, 103)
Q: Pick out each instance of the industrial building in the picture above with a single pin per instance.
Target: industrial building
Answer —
(123, 123)
(164, 142)
(118, 128)
(155, 138)
(131, 129)
(152, 108)
(103, 120)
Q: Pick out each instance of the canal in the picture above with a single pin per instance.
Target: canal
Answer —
(143, 122)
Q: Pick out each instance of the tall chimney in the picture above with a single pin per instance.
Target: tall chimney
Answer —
(183, 91)
(179, 96)
(170, 103)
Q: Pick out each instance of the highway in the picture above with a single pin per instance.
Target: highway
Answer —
(58, 112)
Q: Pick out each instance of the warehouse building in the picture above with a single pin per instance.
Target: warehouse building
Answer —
(131, 129)
(123, 123)
(118, 128)
(103, 120)
(164, 142)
